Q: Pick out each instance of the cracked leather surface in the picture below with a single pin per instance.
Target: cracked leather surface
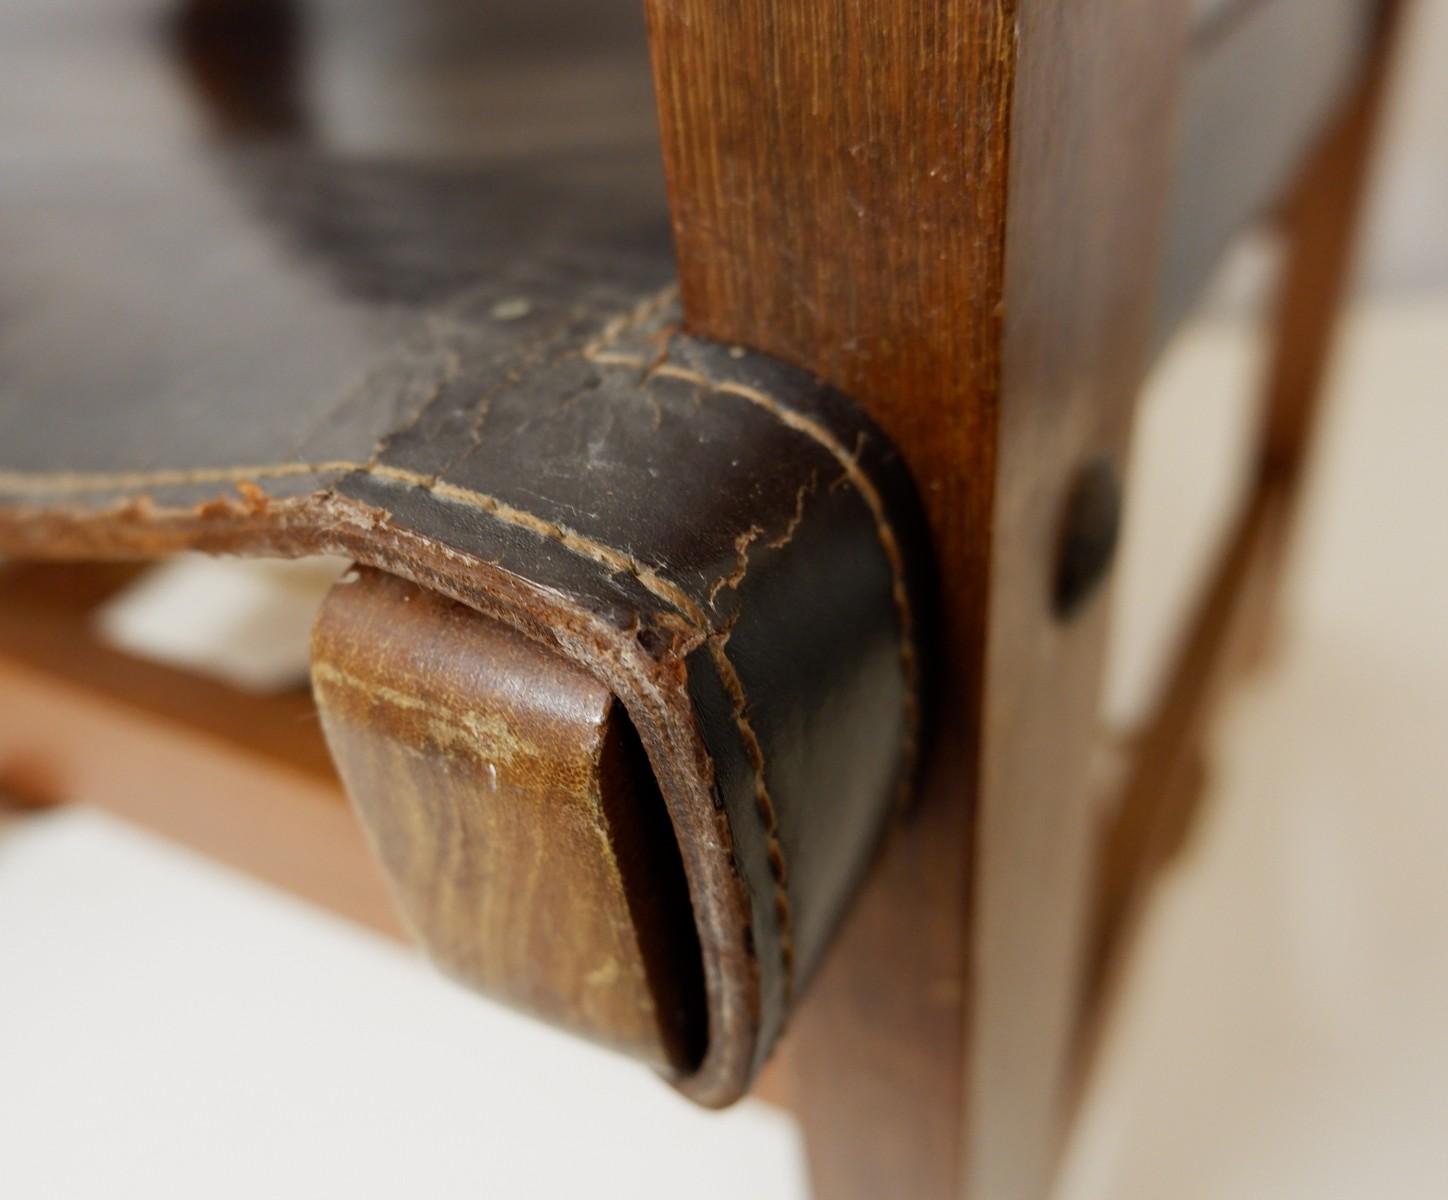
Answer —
(465, 367)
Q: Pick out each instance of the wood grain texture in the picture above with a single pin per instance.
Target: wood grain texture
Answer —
(951, 211)
(510, 803)
(837, 181)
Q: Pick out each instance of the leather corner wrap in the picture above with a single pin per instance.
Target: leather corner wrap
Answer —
(507, 797)
(726, 545)
(443, 340)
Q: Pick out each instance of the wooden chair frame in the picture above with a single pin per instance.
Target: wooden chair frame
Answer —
(981, 271)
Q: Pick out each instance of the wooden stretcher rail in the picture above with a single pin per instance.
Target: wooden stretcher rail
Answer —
(1264, 82)
(245, 779)
(1154, 813)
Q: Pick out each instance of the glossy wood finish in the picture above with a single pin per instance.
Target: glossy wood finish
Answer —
(509, 800)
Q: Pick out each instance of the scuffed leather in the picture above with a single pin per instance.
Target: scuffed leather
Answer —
(471, 374)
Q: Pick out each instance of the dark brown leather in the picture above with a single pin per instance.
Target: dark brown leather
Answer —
(465, 369)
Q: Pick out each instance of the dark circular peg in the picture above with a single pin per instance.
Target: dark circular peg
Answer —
(1089, 533)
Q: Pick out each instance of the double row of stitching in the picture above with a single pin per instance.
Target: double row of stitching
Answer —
(22, 484)
(609, 557)
(599, 351)
(619, 561)
(863, 484)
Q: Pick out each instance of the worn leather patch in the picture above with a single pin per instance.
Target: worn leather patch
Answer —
(467, 369)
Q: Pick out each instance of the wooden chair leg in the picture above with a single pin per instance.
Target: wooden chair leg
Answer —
(1322, 218)
(1235, 620)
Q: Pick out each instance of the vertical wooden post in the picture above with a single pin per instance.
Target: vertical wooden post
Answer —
(1235, 614)
(948, 208)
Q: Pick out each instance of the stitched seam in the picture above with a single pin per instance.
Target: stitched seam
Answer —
(601, 553)
(597, 351)
(606, 556)
(884, 532)
(763, 805)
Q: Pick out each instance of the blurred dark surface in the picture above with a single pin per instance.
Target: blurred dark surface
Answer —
(234, 202)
